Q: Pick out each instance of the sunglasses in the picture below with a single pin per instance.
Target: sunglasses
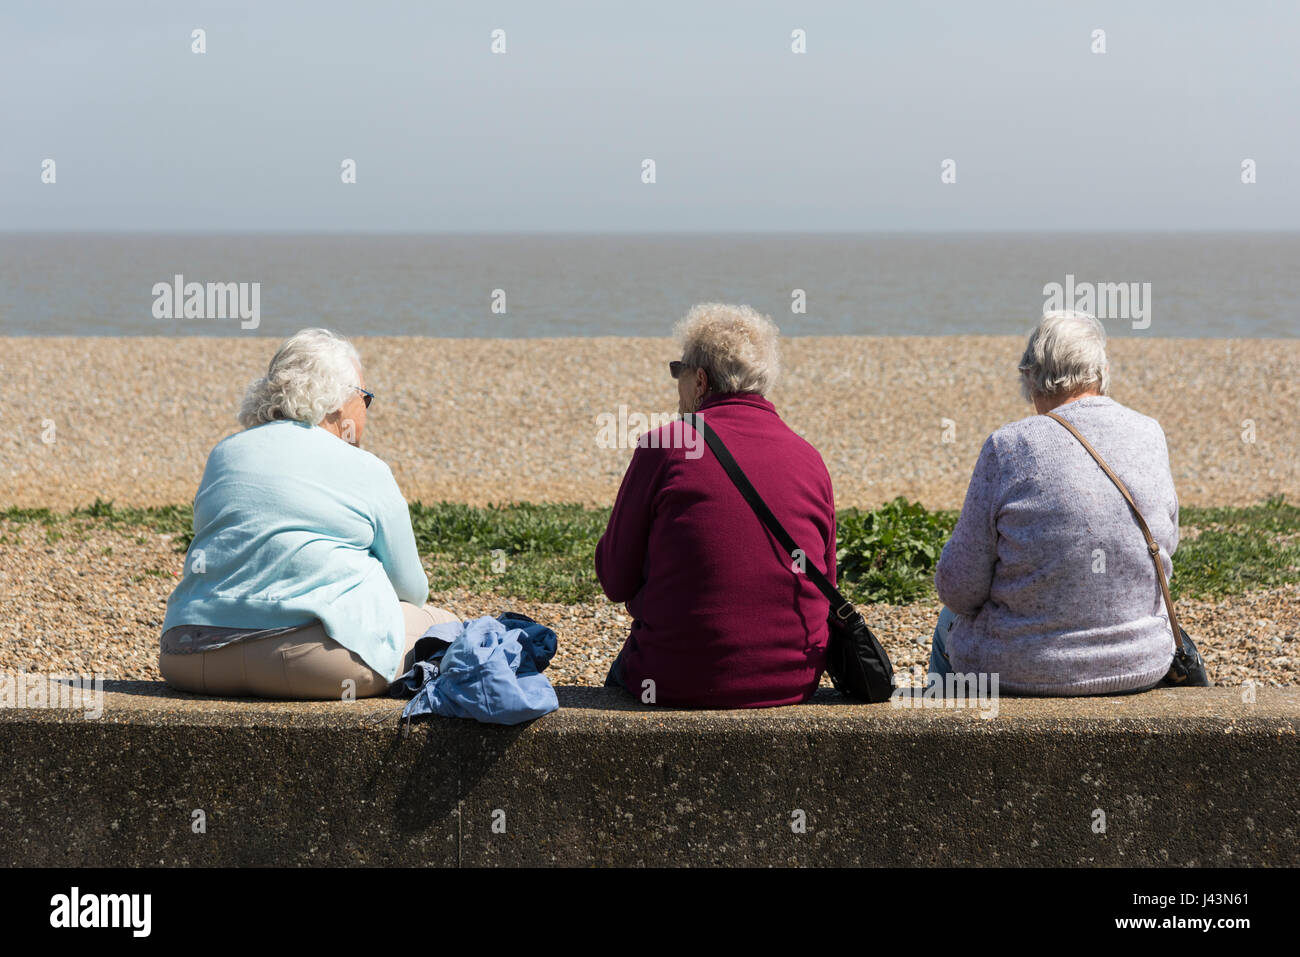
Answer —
(675, 368)
(368, 396)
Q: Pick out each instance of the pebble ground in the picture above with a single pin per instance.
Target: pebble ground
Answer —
(508, 420)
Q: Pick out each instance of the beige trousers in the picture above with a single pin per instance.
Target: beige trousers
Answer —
(304, 665)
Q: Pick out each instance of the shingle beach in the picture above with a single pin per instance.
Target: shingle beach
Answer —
(482, 421)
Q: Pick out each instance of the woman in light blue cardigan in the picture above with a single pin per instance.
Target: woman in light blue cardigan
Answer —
(303, 579)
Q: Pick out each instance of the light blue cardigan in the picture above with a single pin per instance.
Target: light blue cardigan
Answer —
(292, 524)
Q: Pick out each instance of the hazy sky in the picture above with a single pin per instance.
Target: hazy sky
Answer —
(745, 134)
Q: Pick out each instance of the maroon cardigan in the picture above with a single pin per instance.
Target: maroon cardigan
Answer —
(720, 618)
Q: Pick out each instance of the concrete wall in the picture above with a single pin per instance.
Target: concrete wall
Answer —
(1183, 777)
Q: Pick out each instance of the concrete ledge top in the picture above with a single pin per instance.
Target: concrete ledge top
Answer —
(592, 709)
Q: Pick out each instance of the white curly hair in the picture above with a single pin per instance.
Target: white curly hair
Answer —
(312, 374)
(1066, 353)
(737, 346)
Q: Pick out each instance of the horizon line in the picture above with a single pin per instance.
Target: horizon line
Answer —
(1214, 231)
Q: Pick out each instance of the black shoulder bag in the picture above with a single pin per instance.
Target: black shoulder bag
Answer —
(855, 660)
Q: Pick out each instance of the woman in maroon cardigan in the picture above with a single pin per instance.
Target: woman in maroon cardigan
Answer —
(722, 616)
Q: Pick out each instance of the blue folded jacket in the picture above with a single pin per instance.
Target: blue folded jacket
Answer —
(488, 669)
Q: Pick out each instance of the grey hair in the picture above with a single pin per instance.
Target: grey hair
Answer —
(312, 374)
(737, 347)
(1065, 353)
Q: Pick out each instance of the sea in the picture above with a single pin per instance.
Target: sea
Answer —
(620, 284)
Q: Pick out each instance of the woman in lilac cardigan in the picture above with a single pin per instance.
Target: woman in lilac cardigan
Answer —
(1047, 580)
(722, 616)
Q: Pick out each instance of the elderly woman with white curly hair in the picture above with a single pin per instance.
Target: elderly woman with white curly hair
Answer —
(722, 616)
(303, 579)
(1047, 580)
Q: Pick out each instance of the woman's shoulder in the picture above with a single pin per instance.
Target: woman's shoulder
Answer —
(1028, 430)
(1080, 413)
(1111, 417)
(280, 436)
(237, 446)
(298, 442)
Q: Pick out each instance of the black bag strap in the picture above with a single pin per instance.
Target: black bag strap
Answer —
(841, 607)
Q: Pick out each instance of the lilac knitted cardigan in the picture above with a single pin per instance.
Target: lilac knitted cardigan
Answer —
(1047, 569)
